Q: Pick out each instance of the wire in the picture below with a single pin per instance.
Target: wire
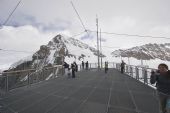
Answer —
(78, 15)
(81, 20)
(110, 47)
(11, 13)
(78, 34)
(16, 51)
(131, 35)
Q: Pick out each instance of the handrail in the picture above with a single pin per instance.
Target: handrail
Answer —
(9, 72)
(139, 73)
(13, 79)
(33, 75)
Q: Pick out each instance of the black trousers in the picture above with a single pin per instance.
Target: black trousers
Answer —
(73, 74)
(163, 101)
(122, 69)
(106, 69)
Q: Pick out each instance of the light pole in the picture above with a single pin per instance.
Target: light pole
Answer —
(97, 44)
(101, 49)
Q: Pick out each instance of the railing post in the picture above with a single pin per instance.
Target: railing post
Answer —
(43, 74)
(143, 74)
(127, 69)
(28, 78)
(131, 71)
(145, 77)
(137, 73)
(54, 72)
(118, 67)
(7, 84)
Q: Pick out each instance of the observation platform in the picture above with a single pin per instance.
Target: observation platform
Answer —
(91, 91)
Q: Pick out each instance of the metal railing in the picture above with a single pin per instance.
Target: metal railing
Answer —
(14, 79)
(139, 73)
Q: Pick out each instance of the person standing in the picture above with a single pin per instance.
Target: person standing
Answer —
(76, 66)
(69, 73)
(82, 65)
(73, 67)
(162, 79)
(106, 67)
(122, 65)
(87, 65)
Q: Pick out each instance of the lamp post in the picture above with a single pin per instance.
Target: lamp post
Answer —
(97, 45)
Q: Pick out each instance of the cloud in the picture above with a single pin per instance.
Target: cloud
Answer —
(23, 20)
(87, 36)
(35, 22)
(161, 30)
(23, 38)
(57, 25)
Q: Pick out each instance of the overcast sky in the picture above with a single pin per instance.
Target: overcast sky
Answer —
(35, 22)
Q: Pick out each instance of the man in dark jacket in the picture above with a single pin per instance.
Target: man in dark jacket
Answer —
(73, 67)
(87, 65)
(82, 64)
(162, 79)
(106, 67)
(122, 65)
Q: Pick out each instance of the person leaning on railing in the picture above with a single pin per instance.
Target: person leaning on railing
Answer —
(162, 79)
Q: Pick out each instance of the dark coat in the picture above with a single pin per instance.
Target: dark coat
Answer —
(162, 81)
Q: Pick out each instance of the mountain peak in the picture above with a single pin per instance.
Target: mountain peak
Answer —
(62, 46)
(146, 52)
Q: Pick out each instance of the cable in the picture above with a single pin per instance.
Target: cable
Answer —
(78, 15)
(110, 47)
(80, 20)
(11, 13)
(130, 35)
(16, 51)
(78, 34)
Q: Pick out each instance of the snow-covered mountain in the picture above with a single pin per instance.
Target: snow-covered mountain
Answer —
(59, 47)
(146, 52)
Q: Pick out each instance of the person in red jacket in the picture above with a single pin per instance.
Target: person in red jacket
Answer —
(162, 79)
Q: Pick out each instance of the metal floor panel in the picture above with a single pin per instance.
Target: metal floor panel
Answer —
(146, 103)
(67, 106)
(44, 105)
(120, 110)
(122, 99)
(25, 102)
(92, 107)
(89, 92)
(99, 96)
